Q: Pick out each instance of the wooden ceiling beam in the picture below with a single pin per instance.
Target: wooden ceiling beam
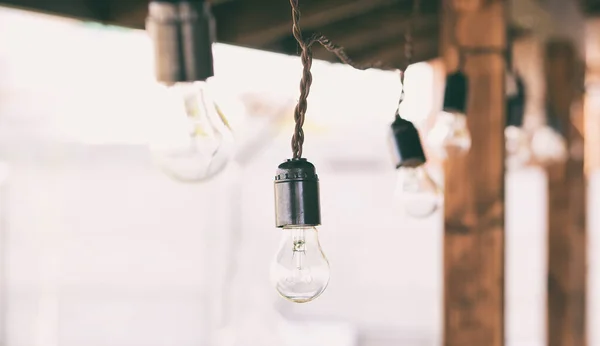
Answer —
(358, 25)
(391, 49)
(385, 22)
(393, 55)
(390, 30)
(82, 9)
(261, 22)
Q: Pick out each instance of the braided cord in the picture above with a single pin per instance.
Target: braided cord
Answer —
(307, 58)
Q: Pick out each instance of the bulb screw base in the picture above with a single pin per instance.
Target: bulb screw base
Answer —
(297, 194)
(405, 143)
(182, 33)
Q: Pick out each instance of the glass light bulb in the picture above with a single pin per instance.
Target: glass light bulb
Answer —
(301, 270)
(518, 149)
(548, 146)
(197, 144)
(419, 196)
(449, 135)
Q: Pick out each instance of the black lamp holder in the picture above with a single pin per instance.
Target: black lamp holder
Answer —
(182, 33)
(405, 144)
(515, 104)
(296, 183)
(297, 194)
(455, 93)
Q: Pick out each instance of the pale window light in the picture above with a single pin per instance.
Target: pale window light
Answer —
(98, 82)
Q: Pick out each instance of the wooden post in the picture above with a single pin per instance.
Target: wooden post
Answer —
(474, 184)
(566, 203)
(592, 99)
(592, 164)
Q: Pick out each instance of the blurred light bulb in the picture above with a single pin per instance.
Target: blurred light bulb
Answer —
(548, 146)
(518, 149)
(419, 196)
(301, 270)
(197, 144)
(450, 135)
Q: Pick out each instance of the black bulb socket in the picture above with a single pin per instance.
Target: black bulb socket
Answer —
(297, 194)
(182, 33)
(455, 93)
(406, 147)
(515, 105)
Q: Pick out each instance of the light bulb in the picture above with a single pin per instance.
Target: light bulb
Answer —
(419, 196)
(518, 150)
(450, 135)
(300, 271)
(548, 146)
(197, 144)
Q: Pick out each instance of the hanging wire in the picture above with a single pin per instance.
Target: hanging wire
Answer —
(408, 48)
(305, 82)
(306, 57)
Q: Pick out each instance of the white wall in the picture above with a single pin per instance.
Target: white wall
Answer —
(104, 250)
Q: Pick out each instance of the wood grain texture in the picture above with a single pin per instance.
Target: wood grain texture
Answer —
(474, 184)
(592, 98)
(566, 204)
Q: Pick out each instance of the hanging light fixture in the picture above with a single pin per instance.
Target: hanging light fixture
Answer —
(417, 194)
(450, 135)
(518, 148)
(300, 271)
(197, 144)
(548, 143)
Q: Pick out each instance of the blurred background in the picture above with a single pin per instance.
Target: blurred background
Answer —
(99, 247)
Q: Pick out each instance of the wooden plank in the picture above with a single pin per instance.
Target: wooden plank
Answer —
(474, 184)
(566, 319)
(384, 24)
(258, 23)
(592, 100)
(82, 9)
(392, 52)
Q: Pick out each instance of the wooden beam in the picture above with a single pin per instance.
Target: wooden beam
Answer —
(382, 24)
(592, 100)
(368, 43)
(566, 205)
(81, 9)
(392, 50)
(474, 184)
(393, 55)
(260, 22)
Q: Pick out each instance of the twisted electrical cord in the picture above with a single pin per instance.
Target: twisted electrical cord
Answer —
(408, 49)
(306, 58)
(305, 82)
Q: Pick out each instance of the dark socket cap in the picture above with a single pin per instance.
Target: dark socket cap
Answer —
(297, 194)
(515, 105)
(405, 143)
(455, 94)
(182, 33)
